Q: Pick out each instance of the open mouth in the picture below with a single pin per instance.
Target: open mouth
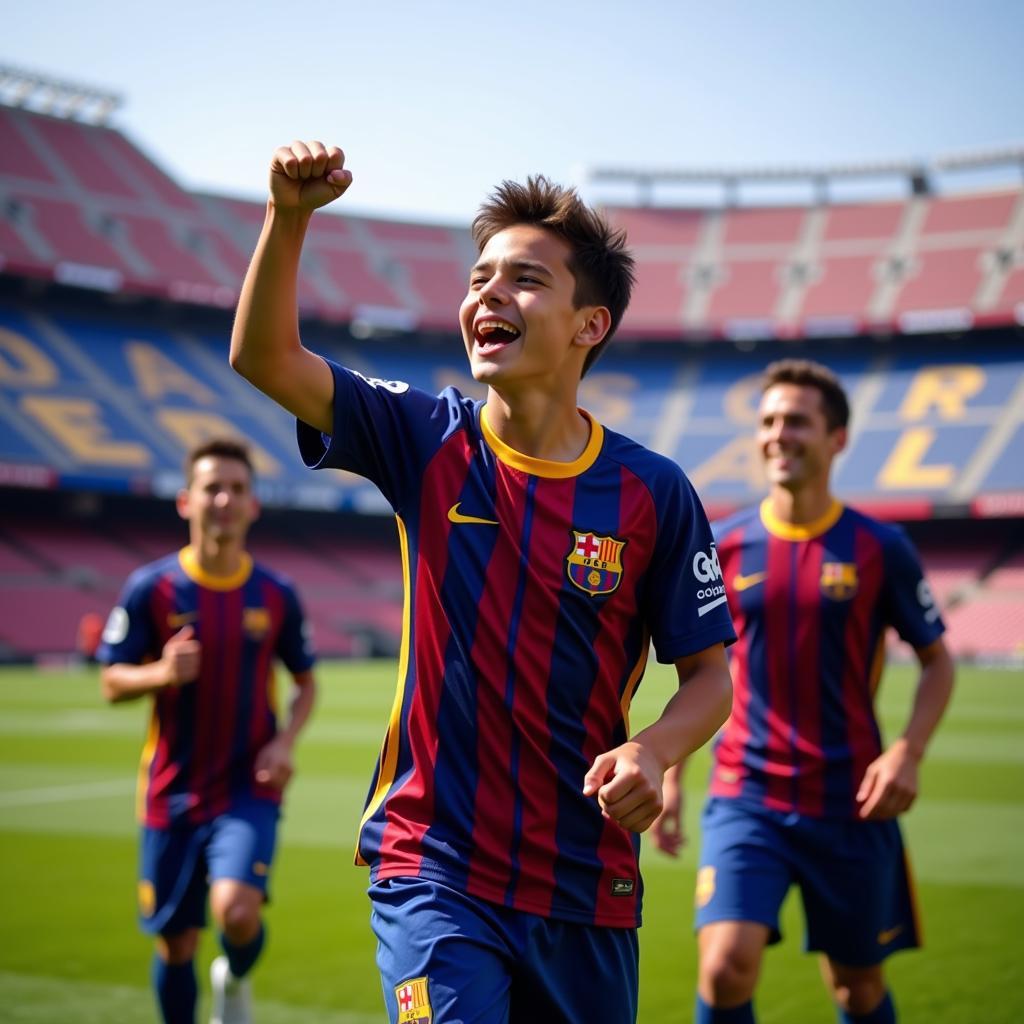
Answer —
(492, 333)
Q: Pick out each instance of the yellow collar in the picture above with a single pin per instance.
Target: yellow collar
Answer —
(546, 467)
(195, 572)
(800, 531)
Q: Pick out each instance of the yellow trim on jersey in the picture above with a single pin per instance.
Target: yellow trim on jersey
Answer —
(388, 759)
(800, 531)
(634, 681)
(194, 571)
(546, 467)
(148, 753)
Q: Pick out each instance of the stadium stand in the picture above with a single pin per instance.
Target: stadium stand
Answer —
(115, 293)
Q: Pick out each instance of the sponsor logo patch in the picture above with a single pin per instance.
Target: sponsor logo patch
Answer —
(838, 580)
(707, 570)
(413, 1002)
(116, 628)
(705, 886)
(926, 599)
(623, 886)
(396, 387)
(594, 563)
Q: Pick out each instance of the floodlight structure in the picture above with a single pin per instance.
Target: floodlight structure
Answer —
(71, 101)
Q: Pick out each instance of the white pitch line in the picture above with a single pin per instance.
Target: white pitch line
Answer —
(63, 794)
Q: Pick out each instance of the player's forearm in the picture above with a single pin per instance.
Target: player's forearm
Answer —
(121, 682)
(301, 707)
(693, 715)
(266, 325)
(934, 689)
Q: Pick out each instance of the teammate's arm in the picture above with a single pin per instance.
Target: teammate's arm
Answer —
(628, 779)
(667, 831)
(178, 664)
(274, 764)
(889, 786)
(265, 344)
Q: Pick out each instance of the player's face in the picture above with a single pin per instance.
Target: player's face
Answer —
(795, 441)
(219, 502)
(519, 321)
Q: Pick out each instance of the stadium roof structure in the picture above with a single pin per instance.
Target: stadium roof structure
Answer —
(82, 205)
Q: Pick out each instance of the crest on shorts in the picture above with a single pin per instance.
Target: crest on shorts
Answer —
(594, 564)
(147, 897)
(839, 580)
(413, 1002)
(705, 886)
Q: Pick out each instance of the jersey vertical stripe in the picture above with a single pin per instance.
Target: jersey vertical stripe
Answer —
(533, 591)
(811, 605)
(205, 733)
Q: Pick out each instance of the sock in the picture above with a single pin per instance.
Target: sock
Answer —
(241, 958)
(883, 1013)
(175, 987)
(734, 1015)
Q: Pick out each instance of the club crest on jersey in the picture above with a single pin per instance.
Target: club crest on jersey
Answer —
(413, 1002)
(256, 622)
(838, 580)
(594, 564)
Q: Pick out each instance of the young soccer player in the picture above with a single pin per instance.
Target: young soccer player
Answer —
(542, 554)
(198, 631)
(802, 790)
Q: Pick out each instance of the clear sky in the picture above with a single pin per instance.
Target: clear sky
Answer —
(436, 102)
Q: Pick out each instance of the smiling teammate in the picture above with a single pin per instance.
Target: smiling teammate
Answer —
(198, 632)
(542, 553)
(802, 790)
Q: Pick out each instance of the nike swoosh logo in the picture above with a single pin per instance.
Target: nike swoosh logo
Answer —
(885, 937)
(455, 516)
(746, 582)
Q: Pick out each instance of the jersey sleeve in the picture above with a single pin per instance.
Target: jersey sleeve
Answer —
(295, 641)
(687, 608)
(384, 430)
(910, 605)
(129, 636)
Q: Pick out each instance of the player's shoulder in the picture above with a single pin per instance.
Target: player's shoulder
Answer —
(887, 534)
(149, 574)
(264, 573)
(656, 470)
(736, 523)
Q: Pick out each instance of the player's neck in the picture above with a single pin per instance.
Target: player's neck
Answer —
(215, 557)
(537, 426)
(803, 505)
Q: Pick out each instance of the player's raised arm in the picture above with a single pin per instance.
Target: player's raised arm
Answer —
(265, 344)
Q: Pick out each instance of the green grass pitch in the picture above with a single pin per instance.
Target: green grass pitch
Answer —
(70, 951)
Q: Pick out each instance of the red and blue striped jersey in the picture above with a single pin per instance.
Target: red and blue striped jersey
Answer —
(533, 592)
(811, 605)
(204, 736)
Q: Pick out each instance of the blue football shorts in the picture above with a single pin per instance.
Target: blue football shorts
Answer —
(178, 864)
(445, 957)
(853, 877)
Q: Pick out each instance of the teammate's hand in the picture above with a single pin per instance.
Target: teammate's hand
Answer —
(274, 765)
(627, 782)
(889, 786)
(181, 657)
(307, 175)
(667, 831)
